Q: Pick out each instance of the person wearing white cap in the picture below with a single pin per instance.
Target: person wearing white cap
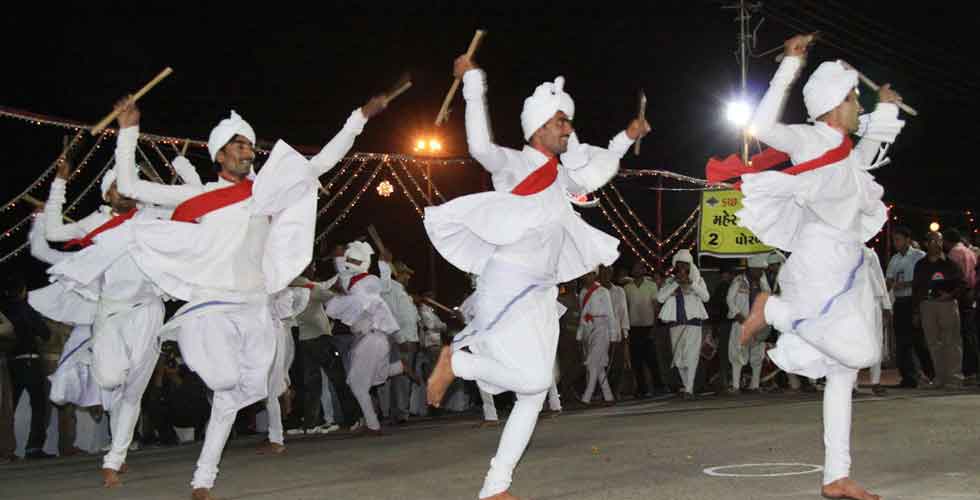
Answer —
(359, 305)
(825, 312)
(129, 311)
(683, 296)
(230, 245)
(598, 328)
(745, 288)
(522, 239)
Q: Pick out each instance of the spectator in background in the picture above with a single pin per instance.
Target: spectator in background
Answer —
(8, 442)
(641, 303)
(621, 307)
(937, 284)
(909, 339)
(24, 360)
(966, 260)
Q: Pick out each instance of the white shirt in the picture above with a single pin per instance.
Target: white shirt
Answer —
(640, 302)
(694, 297)
(313, 321)
(401, 306)
(901, 268)
(621, 307)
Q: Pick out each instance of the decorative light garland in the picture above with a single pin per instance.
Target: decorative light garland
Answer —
(605, 197)
(385, 189)
(353, 203)
(435, 189)
(418, 188)
(623, 238)
(10, 204)
(660, 243)
(709, 186)
(333, 179)
(340, 192)
(405, 190)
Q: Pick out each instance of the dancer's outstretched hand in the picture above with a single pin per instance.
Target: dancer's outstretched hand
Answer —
(376, 105)
(130, 114)
(886, 94)
(638, 128)
(463, 64)
(797, 46)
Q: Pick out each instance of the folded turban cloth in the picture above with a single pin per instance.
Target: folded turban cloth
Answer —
(548, 99)
(361, 251)
(684, 255)
(827, 87)
(226, 130)
(758, 262)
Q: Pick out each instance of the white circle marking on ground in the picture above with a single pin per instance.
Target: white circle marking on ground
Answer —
(717, 470)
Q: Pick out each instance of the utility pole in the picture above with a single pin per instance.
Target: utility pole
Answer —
(744, 48)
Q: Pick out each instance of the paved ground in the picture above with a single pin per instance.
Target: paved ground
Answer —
(907, 445)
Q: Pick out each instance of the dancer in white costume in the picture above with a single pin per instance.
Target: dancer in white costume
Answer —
(125, 329)
(521, 239)
(598, 329)
(825, 311)
(683, 296)
(360, 306)
(230, 245)
(745, 288)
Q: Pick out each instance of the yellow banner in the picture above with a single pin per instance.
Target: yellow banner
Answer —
(721, 236)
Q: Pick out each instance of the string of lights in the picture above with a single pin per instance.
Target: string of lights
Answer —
(408, 194)
(435, 189)
(605, 197)
(343, 188)
(337, 175)
(638, 221)
(71, 145)
(418, 188)
(173, 171)
(353, 203)
(623, 238)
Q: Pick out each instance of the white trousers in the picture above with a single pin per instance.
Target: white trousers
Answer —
(125, 349)
(596, 374)
(686, 342)
(370, 365)
(279, 381)
(756, 356)
(489, 408)
(837, 423)
(554, 399)
(232, 349)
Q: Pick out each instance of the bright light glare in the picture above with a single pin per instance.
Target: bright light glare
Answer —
(738, 113)
(434, 145)
(934, 227)
(420, 145)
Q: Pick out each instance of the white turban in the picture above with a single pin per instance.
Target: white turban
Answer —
(548, 99)
(776, 258)
(361, 251)
(107, 180)
(226, 130)
(758, 262)
(684, 255)
(827, 87)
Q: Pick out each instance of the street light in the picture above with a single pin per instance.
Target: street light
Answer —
(738, 113)
(934, 227)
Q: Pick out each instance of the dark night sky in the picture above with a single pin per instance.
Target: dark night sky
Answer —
(297, 73)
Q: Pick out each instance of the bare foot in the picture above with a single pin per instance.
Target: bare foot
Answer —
(502, 496)
(124, 468)
(847, 488)
(270, 448)
(441, 377)
(202, 494)
(756, 320)
(110, 478)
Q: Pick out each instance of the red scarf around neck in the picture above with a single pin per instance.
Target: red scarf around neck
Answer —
(111, 223)
(355, 279)
(731, 167)
(585, 300)
(539, 180)
(194, 208)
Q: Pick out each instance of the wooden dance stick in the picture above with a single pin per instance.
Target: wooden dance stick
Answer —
(874, 86)
(183, 150)
(146, 88)
(404, 83)
(639, 116)
(813, 39)
(438, 306)
(444, 111)
(376, 238)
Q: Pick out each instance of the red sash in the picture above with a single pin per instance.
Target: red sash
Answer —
(539, 180)
(109, 224)
(355, 279)
(721, 170)
(585, 301)
(205, 203)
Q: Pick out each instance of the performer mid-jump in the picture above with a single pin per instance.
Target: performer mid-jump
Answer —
(826, 308)
(521, 239)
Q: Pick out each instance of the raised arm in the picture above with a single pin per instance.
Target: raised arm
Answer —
(55, 228)
(40, 249)
(765, 123)
(130, 185)
(340, 145)
(492, 157)
(701, 289)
